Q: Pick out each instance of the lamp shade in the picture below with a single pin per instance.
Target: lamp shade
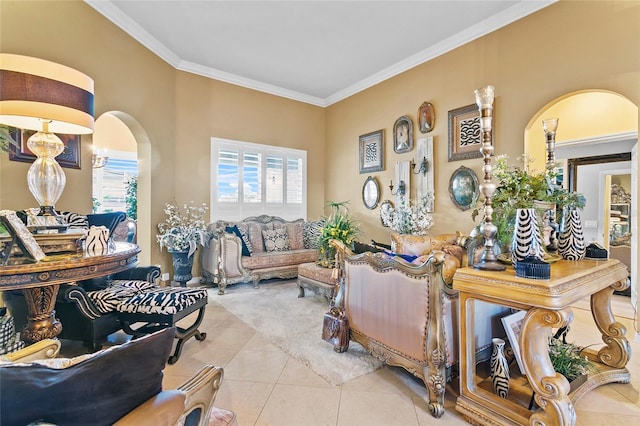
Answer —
(33, 90)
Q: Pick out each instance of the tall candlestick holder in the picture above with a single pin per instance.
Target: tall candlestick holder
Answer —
(489, 231)
(550, 125)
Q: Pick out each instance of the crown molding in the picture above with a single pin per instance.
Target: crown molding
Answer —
(610, 138)
(506, 17)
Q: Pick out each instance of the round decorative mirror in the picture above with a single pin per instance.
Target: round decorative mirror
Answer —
(370, 193)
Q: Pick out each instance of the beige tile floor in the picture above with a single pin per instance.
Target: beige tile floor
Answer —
(265, 386)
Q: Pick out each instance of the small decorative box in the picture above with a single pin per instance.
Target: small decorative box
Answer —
(532, 267)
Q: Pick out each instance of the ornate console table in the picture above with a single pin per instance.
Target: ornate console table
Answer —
(40, 282)
(547, 303)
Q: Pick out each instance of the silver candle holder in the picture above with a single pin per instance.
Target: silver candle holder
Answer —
(489, 231)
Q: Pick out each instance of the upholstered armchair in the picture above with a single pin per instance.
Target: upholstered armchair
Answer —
(89, 318)
(121, 385)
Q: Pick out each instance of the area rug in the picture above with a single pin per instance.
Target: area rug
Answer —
(295, 325)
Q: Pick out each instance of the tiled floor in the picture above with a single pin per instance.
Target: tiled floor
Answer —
(265, 386)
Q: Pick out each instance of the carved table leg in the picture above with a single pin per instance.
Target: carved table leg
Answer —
(551, 388)
(41, 322)
(617, 351)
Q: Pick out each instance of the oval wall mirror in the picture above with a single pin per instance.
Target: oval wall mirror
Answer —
(370, 193)
(385, 210)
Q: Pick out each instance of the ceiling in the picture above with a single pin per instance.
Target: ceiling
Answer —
(318, 52)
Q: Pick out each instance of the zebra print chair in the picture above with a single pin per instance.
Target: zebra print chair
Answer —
(87, 310)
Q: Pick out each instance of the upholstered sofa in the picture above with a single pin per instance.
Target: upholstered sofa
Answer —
(405, 312)
(257, 248)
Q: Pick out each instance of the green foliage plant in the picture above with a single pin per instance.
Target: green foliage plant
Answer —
(339, 225)
(131, 197)
(518, 188)
(567, 359)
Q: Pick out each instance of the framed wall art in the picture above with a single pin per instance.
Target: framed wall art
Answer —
(464, 188)
(465, 139)
(69, 158)
(372, 152)
(403, 135)
(426, 117)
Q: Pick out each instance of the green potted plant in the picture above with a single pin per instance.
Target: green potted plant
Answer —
(567, 359)
(339, 225)
(518, 188)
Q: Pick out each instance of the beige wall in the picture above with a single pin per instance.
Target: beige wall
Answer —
(566, 47)
(530, 62)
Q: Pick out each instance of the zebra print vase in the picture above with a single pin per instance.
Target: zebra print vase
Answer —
(527, 241)
(499, 369)
(571, 241)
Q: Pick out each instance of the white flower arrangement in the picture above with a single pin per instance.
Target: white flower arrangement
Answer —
(409, 218)
(183, 230)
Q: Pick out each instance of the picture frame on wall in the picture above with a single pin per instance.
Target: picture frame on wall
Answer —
(465, 138)
(426, 117)
(403, 135)
(69, 158)
(371, 152)
(464, 188)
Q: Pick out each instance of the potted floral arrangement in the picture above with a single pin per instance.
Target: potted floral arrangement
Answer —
(183, 231)
(567, 360)
(339, 225)
(518, 188)
(409, 218)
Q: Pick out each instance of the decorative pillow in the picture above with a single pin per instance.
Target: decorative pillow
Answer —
(244, 238)
(296, 240)
(276, 239)
(108, 299)
(439, 241)
(75, 220)
(311, 233)
(98, 390)
(416, 245)
(454, 250)
(254, 231)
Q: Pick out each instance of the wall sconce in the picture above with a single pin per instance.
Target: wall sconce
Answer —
(424, 166)
(401, 188)
(48, 98)
(98, 161)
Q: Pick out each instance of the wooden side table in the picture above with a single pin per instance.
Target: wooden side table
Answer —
(547, 303)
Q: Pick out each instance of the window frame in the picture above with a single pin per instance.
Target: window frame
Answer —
(240, 209)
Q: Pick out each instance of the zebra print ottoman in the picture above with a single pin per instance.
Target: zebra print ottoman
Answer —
(161, 308)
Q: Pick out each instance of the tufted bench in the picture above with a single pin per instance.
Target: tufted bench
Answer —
(316, 278)
(163, 307)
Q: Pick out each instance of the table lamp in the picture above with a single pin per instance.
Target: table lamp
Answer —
(46, 97)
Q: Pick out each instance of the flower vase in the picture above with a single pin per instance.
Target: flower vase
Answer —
(182, 265)
(571, 241)
(499, 369)
(527, 241)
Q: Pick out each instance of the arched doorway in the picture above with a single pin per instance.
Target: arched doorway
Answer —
(594, 124)
(116, 131)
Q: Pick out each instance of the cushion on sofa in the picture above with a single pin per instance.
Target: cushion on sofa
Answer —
(107, 299)
(97, 390)
(279, 258)
(276, 239)
(311, 233)
(244, 238)
(416, 245)
(296, 240)
(254, 231)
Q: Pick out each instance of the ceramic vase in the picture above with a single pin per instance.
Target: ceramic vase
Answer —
(97, 241)
(499, 369)
(571, 241)
(182, 265)
(527, 241)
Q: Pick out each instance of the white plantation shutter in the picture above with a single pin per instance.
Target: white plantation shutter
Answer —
(250, 179)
